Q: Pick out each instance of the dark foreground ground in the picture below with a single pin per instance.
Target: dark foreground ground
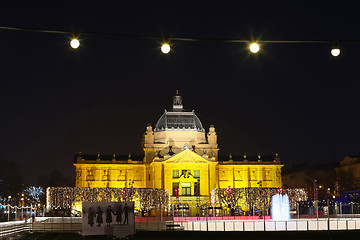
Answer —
(343, 235)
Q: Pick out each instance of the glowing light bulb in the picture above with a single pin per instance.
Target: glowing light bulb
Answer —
(165, 48)
(254, 47)
(74, 43)
(335, 51)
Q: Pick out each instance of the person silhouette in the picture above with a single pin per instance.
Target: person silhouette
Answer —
(99, 218)
(126, 214)
(119, 213)
(109, 213)
(91, 215)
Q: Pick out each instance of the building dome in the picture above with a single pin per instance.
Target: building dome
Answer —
(178, 119)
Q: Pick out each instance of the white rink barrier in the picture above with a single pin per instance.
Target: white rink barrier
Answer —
(52, 224)
(332, 224)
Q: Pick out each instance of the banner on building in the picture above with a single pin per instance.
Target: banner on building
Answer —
(108, 218)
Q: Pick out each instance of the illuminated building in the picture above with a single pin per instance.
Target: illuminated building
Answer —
(181, 157)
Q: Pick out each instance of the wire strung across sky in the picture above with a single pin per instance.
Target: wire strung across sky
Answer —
(253, 45)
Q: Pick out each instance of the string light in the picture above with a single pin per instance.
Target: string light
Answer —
(34, 192)
(75, 43)
(165, 48)
(31, 208)
(156, 199)
(246, 198)
(254, 47)
(144, 198)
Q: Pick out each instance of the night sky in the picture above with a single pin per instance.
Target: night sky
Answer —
(294, 99)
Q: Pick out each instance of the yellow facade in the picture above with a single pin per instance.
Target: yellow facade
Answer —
(181, 157)
(113, 174)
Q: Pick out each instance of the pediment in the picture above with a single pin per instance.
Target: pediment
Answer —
(186, 156)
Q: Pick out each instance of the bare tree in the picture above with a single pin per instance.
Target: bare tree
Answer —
(252, 196)
(230, 197)
(249, 198)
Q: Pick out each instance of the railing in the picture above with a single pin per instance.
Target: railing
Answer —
(8, 229)
(42, 224)
(58, 224)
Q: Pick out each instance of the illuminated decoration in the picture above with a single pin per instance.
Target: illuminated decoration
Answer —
(165, 48)
(30, 208)
(254, 47)
(72, 197)
(226, 198)
(249, 198)
(75, 43)
(335, 51)
(35, 192)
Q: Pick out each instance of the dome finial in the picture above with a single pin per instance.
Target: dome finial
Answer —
(177, 102)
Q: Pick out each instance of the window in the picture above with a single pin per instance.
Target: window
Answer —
(90, 176)
(105, 176)
(252, 175)
(196, 173)
(197, 188)
(186, 189)
(175, 188)
(267, 174)
(175, 174)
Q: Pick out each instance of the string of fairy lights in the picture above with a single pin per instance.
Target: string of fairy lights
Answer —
(167, 42)
(144, 198)
(158, 199)
(32, 207)
(148, 198)
(258, 197)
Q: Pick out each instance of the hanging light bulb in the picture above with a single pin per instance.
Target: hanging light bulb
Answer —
(335, 51)
(74, 43)
(165, 48)
(254, 47)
